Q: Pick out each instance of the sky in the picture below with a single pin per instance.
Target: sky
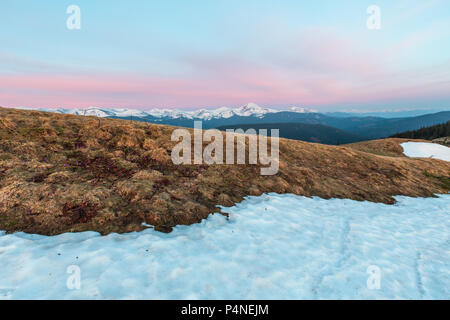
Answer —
(213, 53)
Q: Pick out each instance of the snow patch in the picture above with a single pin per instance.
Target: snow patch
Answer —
(271, 247)
(426, 150)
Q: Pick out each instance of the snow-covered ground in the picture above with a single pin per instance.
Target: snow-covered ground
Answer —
(426, 150)
(272, 247)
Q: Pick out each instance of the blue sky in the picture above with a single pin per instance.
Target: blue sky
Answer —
(191, 54)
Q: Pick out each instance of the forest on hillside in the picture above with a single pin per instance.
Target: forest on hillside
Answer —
(427, 133)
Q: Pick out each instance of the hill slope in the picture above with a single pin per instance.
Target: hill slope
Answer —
(427, 133)
(388, 127)
(305, 132)
(64, 173)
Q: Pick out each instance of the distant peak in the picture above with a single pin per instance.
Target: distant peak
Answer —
(251, 105)
(301, 110)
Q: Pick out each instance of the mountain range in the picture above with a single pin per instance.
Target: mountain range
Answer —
(248, 110)
(351, 128)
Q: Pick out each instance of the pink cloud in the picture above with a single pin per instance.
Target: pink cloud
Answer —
(266, 86)
(316, 67)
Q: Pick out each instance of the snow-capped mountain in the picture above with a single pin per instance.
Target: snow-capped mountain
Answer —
(301, 110)
(248, 110)
(252, 109)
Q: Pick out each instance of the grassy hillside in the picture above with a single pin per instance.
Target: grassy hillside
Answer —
(305, 132)
(62, 173)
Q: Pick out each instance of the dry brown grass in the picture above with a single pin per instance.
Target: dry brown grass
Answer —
(62, 173)
(383, 147)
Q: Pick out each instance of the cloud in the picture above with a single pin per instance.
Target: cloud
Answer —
(316, 66)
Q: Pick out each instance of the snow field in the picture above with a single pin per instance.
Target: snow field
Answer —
(272, 247)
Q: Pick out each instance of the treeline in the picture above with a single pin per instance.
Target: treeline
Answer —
(427, 133)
